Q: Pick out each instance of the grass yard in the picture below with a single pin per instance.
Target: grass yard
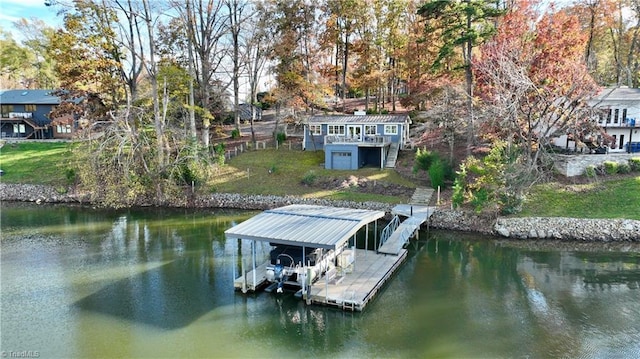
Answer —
(35, 162)
(616, 198)
(281, 172)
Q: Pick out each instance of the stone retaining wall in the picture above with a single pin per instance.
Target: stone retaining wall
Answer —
(517, 228)
(574, 165)
(569, 229)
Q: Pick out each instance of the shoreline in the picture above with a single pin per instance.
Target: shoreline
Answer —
(516, 228)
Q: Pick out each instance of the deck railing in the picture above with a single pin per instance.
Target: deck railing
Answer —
(389, 229)
(368, 139)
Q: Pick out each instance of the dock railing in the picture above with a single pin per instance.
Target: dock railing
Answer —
(389, 229)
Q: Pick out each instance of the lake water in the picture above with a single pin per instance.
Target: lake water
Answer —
(78, 282)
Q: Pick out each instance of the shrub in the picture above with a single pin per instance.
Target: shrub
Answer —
(480, 199)
(590, 171)
(235, 133)
(510, 203)
(624, 168)
(459, 184)
(71, 175)
(423, 160)
(610, 167)
(218, 150)
(309, 178)
(281, 137)
(634, 164)
(437, 173)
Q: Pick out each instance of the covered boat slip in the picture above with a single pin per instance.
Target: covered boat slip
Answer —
(303, 226)
(358, 273)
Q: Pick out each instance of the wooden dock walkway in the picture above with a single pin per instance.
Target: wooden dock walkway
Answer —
(355, 288)
(407, 228)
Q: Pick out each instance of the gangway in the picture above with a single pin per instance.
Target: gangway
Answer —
(403, 231)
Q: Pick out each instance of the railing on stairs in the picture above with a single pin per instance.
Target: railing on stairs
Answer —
(389, 229)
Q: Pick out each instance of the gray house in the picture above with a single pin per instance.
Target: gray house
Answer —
(25, 114)
(354, 141)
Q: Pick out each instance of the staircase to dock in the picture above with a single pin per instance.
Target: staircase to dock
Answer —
(397, 233)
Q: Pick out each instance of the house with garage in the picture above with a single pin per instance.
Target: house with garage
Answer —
(25, 114)
(354, 141)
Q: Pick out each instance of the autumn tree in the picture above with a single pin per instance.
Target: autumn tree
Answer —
(38, 70)
(204, 24)
(534, 87)
(462, 25)
(613, 44)
(293, 26)
(14, 60)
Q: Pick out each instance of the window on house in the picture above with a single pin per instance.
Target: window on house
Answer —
(63, 128)
(6, 109)
(19, 128)
(615, 115)
(335, 130)
(390, 129)
(370, 129)
(624, 115)
(315, 129)
(30, 108)
(609, 116)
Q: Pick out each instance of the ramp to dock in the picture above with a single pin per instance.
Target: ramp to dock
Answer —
(407, 228)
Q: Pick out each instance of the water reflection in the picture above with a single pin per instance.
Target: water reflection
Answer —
(158, 283)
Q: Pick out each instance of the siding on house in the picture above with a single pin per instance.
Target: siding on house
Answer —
(25, 113)
(354, 141)
(619, 117)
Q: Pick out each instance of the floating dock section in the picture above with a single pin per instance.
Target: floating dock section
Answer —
(350, 284)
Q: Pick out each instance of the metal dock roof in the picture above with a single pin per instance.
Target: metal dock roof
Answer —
(305, 225)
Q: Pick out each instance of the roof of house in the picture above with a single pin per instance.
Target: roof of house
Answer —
(28, 97)
(305, 225)
(400, 119)
(621, 93)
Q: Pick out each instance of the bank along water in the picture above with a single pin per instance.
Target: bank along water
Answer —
(78, 282)
(602, 230)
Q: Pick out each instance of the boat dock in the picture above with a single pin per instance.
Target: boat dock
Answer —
(355, 288)
(352, 283)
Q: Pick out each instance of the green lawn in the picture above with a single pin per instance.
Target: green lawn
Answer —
(281, 172)
(35, 162)
(616, 198)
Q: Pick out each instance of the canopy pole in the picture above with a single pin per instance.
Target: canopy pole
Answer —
(253, 255)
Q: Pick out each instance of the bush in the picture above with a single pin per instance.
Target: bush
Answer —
(634, 164)
(459, 186)
(510, 203)
(624, 168)
(590, 171)
(610, 167)
(281, 137)
(235, 133)
(437, 173)
(423, 160)
(309, 178)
